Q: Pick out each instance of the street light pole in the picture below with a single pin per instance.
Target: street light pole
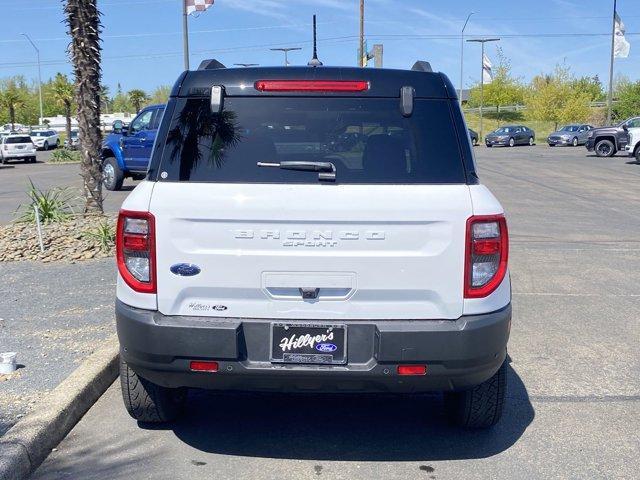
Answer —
(286, 51)
(613, 44)
(39, 75)
(482, 41)
(462, 55)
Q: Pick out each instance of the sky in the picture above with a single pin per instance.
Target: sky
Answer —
(142, 39)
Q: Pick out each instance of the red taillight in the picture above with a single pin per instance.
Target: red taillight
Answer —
(311, 85)
(203, 366)
(412, 369)
(487, 254)
(136, 250)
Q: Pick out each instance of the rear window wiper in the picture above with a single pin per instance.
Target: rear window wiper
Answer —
(326, 170)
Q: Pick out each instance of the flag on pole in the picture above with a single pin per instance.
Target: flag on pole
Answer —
(620, 45)
(197, 6)
(486, 70)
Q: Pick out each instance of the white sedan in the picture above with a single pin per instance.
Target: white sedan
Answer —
(45, 139)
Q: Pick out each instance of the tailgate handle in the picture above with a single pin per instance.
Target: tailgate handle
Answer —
(309, 293)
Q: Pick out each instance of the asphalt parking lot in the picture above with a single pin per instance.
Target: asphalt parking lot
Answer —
(574, 380)
(14, 184)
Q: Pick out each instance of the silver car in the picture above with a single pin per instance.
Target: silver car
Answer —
(573, 135)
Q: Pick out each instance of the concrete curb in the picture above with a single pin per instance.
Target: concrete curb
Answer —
(25, 446)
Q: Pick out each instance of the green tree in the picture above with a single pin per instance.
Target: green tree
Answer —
(83, 26)
(592, 86)
(120, 101)
(137, 97)
(551, 97)
(105, 100)
(12, 98)
(160, 94)
(503, 90)
(63, 92)
(628, 101)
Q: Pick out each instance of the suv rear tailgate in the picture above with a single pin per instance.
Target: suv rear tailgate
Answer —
(363, 251)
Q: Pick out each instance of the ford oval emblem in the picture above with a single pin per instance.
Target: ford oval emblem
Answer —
(185, 269)
(326, 347)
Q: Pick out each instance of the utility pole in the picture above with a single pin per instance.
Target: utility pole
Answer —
(39, 75)
(613, 38)
(185, 35)
(482, 41)
(286, 51)
(361, 52)
(462, 55)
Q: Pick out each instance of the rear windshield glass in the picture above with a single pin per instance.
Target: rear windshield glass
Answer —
(367, 139)
(18, 140)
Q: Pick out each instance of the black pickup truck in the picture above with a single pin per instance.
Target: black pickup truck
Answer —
(606, 141)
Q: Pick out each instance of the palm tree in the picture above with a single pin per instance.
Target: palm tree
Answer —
(83, 26)
(63, 93)
(137, 98)
(12, 98)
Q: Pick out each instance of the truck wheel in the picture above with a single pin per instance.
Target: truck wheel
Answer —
(637, 155)
(481, 406)
(112, 176)
(605, 148)
(148, 402)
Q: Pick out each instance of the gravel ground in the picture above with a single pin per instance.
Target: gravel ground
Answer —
(51, 325)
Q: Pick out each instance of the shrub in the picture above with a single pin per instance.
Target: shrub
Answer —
(64, 155)
(104, 234)
(54, 205)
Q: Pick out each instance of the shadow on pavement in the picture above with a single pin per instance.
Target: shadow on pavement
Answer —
(345, 427)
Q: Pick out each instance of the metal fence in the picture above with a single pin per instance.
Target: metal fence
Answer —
(517, 108)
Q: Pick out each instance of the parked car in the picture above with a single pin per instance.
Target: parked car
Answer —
(249, 260)
(474, 137)
(573, 135)
(73, 142)
(15, 127)
(45, 139)
(607, 141)
(510, 136)
(126, 151)
(17, 147)
(633, 147)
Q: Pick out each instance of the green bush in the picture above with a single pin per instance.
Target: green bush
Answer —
(63, 155)
(54, 205)
(104, 234)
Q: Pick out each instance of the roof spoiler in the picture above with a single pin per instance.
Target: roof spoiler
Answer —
(422, 66)
(210, 64)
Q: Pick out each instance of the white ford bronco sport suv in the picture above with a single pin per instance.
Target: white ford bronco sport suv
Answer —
(309, 229)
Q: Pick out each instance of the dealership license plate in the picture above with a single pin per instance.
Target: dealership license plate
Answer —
(308, 343)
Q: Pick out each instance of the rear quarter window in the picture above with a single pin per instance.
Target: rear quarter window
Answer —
(367, 139)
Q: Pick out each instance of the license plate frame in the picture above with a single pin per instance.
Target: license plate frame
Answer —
(309, 355)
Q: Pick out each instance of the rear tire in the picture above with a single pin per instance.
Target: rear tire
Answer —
(148, 402)
(32, 159)
(481, 406)
(605, 148)
(112, 176)
(512, 142)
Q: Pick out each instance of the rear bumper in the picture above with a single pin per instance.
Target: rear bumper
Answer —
(458, 353)
(13, 155)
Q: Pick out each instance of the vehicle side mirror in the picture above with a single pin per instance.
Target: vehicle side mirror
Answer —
(625, 127)
(118, 126)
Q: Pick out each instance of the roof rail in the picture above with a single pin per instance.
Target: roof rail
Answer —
(422, 66)
(210, 64)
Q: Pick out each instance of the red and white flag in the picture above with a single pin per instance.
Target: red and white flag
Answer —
(197, 6)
